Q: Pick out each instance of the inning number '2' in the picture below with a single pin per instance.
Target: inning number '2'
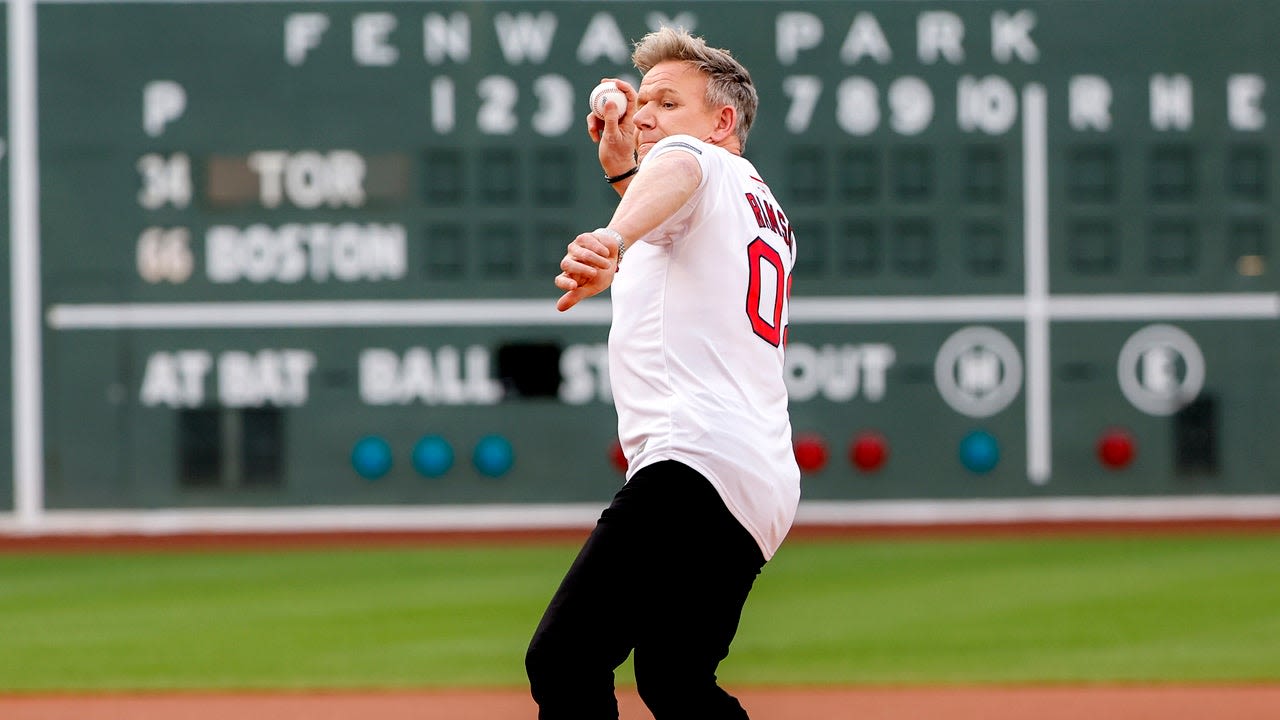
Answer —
(766, 291)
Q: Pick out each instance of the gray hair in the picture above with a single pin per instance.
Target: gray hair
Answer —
(728, 82)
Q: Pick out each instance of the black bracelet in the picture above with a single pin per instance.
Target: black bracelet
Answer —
(611, 179)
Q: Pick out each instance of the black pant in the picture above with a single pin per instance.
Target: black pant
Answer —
(665, 573)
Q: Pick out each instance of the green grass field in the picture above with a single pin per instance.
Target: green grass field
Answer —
(1193, 608)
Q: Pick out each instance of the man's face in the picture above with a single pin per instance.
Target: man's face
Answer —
(672, 101)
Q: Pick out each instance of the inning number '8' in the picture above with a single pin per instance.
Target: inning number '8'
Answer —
(767, 291)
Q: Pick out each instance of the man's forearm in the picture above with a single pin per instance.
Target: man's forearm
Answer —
(664, 186)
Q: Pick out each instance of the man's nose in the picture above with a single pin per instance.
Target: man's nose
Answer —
(643, 116)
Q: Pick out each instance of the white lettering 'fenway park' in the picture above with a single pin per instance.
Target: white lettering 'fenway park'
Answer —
(863, 100)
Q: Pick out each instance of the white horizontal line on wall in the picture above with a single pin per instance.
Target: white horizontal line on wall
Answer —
(517, 517)
(492, 312)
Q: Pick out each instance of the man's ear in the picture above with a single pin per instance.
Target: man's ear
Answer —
(726, 121)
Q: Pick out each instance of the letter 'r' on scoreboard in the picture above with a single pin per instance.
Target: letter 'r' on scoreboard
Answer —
(294, 253)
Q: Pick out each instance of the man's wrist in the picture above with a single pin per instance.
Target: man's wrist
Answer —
(617, 237)
(611, 179)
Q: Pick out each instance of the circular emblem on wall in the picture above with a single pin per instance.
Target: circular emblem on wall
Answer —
(978, 371)
(1160, 369)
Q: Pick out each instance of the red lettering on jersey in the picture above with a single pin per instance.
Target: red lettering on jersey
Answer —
(755, 208)
(772, 214)
(787, 233)
(770, 218)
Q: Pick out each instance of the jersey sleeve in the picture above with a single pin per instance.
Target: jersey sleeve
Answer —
(687, 143)
(673, 225)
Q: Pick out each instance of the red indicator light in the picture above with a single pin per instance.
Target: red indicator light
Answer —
(1116, 449)
(868, 451)
(811, 453)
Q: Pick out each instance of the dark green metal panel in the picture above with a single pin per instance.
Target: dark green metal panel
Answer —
(285, 153)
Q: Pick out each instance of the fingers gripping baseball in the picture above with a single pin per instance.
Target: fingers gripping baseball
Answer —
(610, 124)
(610, 104)
(607, 100)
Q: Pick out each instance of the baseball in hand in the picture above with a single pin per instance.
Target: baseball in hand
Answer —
(605, 93)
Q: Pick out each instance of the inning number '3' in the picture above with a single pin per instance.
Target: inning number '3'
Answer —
(767, 290)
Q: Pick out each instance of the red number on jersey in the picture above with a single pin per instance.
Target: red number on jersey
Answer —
(767, 290)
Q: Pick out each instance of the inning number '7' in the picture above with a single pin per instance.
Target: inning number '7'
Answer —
(767, 290)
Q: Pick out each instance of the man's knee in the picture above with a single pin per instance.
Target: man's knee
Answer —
(544, 664)
(567, 683)
(674, 693)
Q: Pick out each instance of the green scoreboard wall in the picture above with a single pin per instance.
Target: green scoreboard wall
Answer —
(302, 252)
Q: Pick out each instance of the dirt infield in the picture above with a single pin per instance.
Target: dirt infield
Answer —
(966, 703)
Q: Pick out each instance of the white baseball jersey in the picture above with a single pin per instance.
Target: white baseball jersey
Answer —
(696, 346)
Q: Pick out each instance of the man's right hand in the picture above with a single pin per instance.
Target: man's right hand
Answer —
(615, 133)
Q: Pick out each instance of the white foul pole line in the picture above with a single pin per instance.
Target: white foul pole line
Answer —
(1035, 218)
(24, 267)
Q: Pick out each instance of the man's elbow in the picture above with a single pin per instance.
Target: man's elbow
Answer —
(680, 169)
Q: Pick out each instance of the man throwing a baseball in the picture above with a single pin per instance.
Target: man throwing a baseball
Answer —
(699, 257)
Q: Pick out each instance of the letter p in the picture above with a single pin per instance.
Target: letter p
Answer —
(796, 31)
(163, 101)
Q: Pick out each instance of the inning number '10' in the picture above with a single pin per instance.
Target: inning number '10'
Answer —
(767, 290)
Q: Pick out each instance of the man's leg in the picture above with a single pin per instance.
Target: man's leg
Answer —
(586, 631)
(707, 563)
